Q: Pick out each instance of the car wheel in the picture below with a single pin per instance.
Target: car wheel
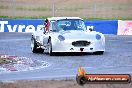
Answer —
(98, 52)
(40, 50)
(50, 48)
(34, 47)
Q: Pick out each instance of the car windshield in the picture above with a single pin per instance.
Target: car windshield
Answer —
(68, 24)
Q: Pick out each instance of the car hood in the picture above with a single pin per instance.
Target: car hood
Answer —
(80, 35)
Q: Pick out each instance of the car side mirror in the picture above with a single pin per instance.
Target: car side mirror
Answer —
(42, 29)
(89, 28)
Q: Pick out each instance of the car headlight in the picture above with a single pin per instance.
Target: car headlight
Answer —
(61, 38)
(98, 37)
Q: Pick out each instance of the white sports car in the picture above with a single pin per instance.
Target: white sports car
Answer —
(67, 34)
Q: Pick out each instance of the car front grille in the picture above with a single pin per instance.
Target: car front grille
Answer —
(80, 43)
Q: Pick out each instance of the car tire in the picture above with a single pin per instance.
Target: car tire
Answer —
(34, 47)
(98, 53)
(40, 50)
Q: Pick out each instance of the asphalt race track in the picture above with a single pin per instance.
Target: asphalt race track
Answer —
(116, 59)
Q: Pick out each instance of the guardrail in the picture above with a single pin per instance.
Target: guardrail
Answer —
(124, 27)
(104, 26)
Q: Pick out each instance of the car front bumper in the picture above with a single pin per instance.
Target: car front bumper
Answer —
(66, 46)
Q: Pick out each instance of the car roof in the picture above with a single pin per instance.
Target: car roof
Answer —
(60, 18)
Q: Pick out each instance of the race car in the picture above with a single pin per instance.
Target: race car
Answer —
(67, 34)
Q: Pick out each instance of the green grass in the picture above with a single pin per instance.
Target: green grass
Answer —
(44, 17)
(119, 18)
(23, 17)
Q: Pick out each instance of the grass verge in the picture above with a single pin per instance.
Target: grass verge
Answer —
(44, 17)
